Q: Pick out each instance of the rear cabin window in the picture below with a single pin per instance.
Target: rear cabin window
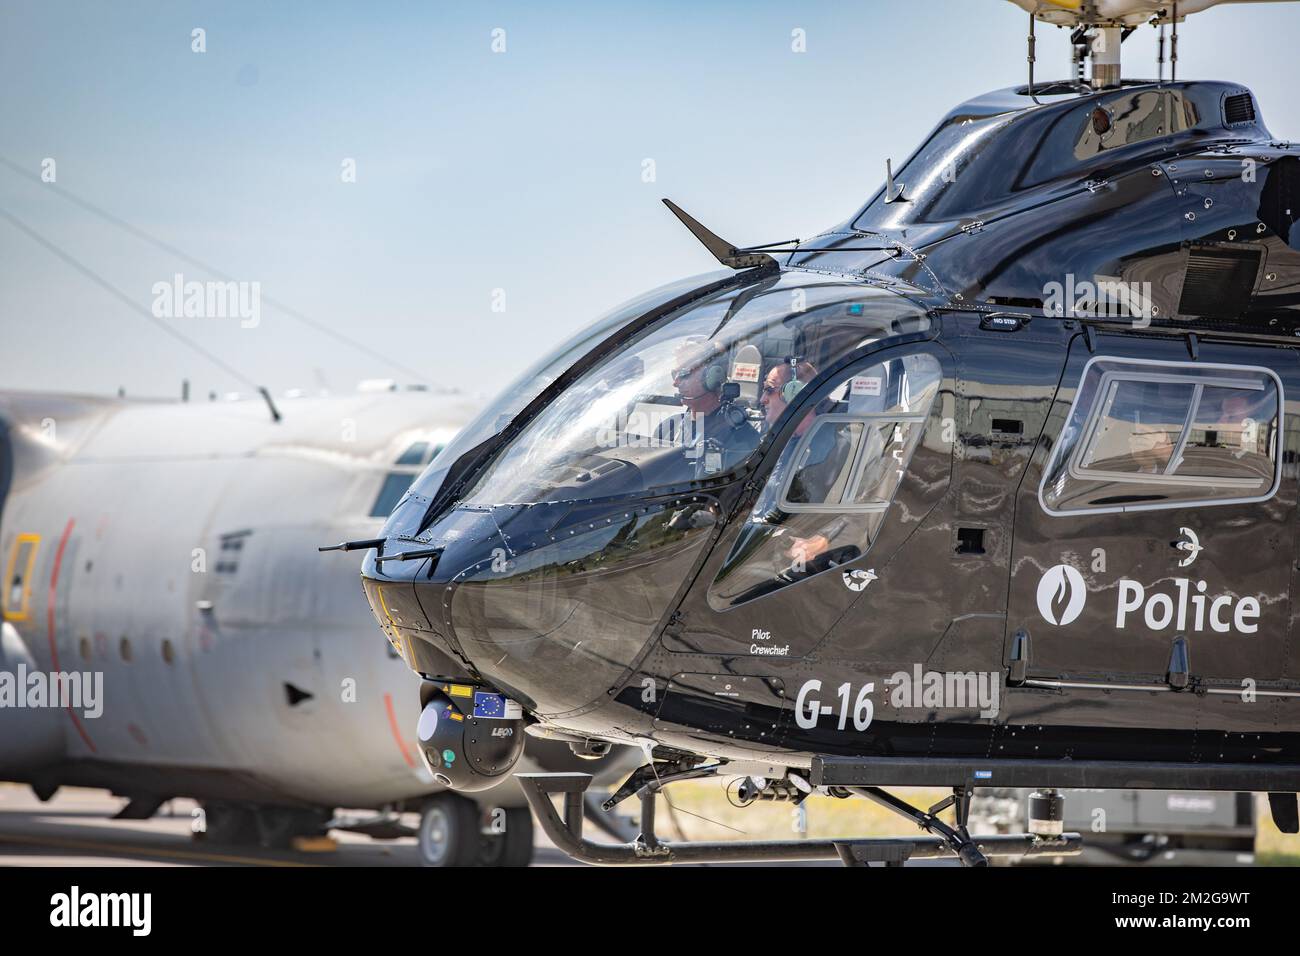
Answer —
(1162, 435)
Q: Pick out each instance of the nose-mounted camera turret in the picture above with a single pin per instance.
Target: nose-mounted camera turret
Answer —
(470, 737)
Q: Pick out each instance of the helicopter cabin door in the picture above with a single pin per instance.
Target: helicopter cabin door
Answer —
(858, 462)
(1155, 527)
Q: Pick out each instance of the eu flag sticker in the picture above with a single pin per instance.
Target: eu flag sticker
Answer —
(489, 705)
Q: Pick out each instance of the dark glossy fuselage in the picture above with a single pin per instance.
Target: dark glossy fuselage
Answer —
(595, 611)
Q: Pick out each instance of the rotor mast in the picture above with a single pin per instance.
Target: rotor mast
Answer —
(1100, 40)
(1105, 50)
(1101, 26)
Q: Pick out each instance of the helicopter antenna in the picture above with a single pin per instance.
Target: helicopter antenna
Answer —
(893, 191)
(722, 250)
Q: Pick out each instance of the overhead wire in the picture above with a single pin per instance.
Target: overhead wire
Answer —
(198, 263)
(125, 299)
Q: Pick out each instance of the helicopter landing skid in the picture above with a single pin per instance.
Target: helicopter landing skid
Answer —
(565, 831)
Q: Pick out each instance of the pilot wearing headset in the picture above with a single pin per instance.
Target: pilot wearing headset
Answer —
(773, 399)
(714, 431)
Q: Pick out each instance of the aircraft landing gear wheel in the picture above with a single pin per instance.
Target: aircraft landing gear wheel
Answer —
(513, 846)
(229, 824)
(449, 831)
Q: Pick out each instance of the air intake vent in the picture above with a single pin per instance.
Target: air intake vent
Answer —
(1239, 109)
(1220, 282)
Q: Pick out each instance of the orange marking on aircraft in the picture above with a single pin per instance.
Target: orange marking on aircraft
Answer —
(397, 731)
(49, 623)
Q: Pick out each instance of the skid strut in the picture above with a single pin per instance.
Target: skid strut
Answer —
(957, 839)
(565, 831)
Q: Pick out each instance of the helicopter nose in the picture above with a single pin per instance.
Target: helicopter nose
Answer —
(553, 604)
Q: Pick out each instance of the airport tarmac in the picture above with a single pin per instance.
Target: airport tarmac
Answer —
(76, 828)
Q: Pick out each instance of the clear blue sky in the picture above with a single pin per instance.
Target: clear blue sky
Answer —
(475, 170)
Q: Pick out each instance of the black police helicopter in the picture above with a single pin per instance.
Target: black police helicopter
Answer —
(993, 484)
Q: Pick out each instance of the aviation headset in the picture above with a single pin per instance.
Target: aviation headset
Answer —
(714, 368)
(792, 388)
(714, 378)
(715, 375)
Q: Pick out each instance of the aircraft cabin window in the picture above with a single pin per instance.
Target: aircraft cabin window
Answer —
(390, 492)
(823, 472)
(863, 459)
(1146, 435)
(1138, 427)
(832, 485)
(396, 483)
(232, 545)
(414, 455)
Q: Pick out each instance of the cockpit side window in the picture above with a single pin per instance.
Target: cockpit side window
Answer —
(1144, 435)
(832, 485)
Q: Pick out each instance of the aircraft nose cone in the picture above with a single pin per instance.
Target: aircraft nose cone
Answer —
(553, 604)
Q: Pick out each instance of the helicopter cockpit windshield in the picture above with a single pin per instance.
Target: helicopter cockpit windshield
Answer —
(499, 413)
(687, 398)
